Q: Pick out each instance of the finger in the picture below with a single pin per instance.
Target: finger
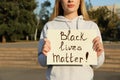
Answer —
(46, 47)
(97, 46)
(96, 39)
(99, 52)
(47, 43)
(46, 40)
(45, 50)
(98, 49)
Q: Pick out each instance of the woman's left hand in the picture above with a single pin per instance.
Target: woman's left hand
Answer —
(98, 46)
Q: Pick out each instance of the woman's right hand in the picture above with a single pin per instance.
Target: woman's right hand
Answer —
(46, 47)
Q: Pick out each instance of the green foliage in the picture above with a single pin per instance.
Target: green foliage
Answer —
(44, 12)
(107, 21)
(17, 19)
(44, 15)
(88, 5)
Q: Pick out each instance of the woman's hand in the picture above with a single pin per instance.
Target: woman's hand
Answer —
(98, 46)
(46, 47)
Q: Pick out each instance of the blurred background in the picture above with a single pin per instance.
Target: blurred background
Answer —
(21, 22)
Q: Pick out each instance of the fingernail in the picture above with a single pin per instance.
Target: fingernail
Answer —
(45, 39)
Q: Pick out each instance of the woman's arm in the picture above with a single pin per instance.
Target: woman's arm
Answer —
(42, 59)
(98, 47)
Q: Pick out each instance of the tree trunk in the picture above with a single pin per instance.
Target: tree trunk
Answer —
(36, 30)
(3, 39)
(27, 37)
(35, 36)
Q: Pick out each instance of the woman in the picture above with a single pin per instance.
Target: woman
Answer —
(69, 14)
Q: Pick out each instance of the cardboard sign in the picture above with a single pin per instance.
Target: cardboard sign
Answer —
(71, 47)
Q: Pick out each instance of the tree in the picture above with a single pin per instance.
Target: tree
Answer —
(17, 19)
(44, 15)
(89, 5)
(44, 12)
(107, 22)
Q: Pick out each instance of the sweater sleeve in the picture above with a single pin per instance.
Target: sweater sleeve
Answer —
(101, 58)
(42, 59)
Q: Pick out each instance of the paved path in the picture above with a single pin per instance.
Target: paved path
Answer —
(106, 75)
(39, 74)
(22, 74)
